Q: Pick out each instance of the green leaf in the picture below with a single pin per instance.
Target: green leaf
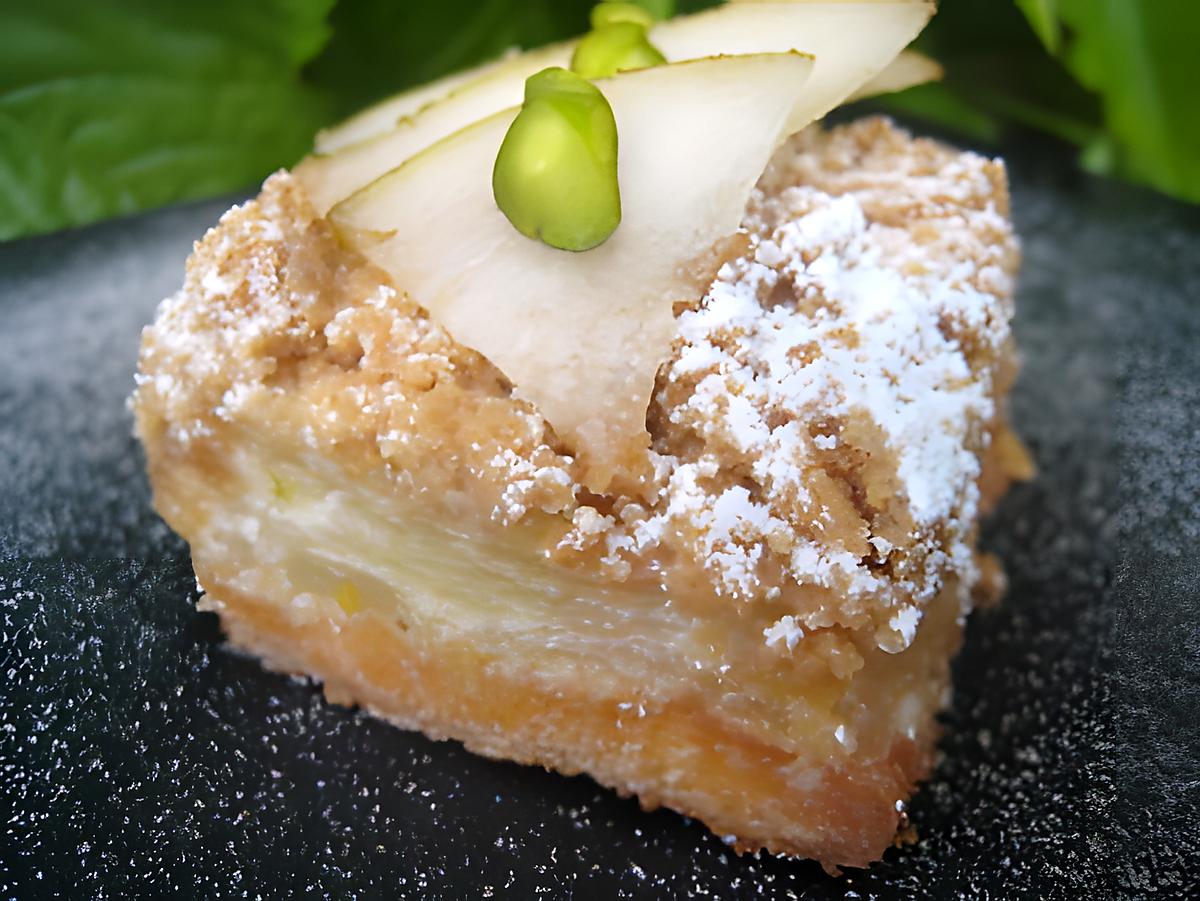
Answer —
(1140, 57)
(939, 104)
(1043, 19)
(1121, 86)
(108, 108)
(998, 75)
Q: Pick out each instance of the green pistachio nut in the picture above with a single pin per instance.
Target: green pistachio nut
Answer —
(615, 47)
(660, 9)
(556, 172)
(619, 11)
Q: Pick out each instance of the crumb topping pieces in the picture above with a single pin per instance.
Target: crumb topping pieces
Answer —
(818, 431)
(832, 394)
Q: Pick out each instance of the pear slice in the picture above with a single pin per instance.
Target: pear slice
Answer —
(907, 70)
(581, 335)
(852, 43)
(333, 177)
(388, 113)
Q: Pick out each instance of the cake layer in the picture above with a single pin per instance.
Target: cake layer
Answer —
(285, 525)
(481, 638)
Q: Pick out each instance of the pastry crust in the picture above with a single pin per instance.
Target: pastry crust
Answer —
(749, 792)
(753, 626)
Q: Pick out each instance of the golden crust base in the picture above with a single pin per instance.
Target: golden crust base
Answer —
(676, 755)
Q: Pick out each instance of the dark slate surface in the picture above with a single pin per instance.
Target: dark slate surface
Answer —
(138, 757)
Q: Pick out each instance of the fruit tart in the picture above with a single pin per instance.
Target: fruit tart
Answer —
(599, 410)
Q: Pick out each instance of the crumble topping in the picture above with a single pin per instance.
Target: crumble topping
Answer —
(818, 431)
(837, 384)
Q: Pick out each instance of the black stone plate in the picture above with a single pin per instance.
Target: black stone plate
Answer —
(139, 757)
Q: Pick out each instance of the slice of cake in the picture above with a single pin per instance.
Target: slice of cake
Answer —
(759, 636)
(387, 448)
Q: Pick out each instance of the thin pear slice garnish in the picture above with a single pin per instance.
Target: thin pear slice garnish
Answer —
(852, 42)
(907, 70)
(335, 176)
(387, 114)
(391, 111)
(581, 335)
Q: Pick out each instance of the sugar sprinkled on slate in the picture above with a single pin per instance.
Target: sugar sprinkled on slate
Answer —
(138, 756)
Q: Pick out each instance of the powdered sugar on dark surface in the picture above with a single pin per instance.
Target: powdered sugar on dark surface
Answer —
(139, 757)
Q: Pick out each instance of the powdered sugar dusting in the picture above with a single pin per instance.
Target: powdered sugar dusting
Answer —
(529, 486)
(784, 631)
(850, 345)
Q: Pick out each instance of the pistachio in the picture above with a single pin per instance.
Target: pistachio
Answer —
(615, 47)
(620, 11)
(660, 9)
(555, 176)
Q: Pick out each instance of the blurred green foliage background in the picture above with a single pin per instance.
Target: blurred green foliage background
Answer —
(113, 106)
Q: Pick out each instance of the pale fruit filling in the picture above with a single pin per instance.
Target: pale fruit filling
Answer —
(293, 530)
